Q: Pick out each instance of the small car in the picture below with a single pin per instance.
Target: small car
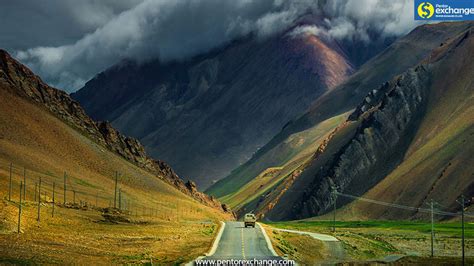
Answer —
(250, 219)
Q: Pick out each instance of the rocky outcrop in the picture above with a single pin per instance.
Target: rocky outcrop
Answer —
(387, 120)
(19, 80)
(403, 54)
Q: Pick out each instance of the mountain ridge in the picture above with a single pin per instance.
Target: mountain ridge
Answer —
(214, 111)
(410, 91)
(21, 81)
(304, 189)
(405, 52)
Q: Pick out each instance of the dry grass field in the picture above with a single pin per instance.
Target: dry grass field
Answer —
(386, 241)
(301, 248)
(80, 236)
(157, 223)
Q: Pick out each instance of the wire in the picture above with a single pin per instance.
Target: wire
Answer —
(404, 207)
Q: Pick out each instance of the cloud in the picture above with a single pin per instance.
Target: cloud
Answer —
(361, 19)
(28, 23)
(179, 29)
(307, 29)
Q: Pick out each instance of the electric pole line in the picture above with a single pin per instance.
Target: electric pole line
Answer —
(39, 200)
(432, 228)
(54, 187)
(24, 183)
(462, 202)
(10, 184)
(120, 199)
(462, 222)
(19, 208)
(462, 227)
(65, 187)
(334, 197)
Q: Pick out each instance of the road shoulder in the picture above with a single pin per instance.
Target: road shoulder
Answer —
(305, 247)
(267, 239)
(214, 246)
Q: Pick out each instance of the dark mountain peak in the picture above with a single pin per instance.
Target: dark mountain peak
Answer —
(208, 114)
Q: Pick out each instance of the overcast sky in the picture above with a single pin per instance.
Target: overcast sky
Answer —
(67, 42)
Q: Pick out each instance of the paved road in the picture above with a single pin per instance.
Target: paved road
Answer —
(238, 242)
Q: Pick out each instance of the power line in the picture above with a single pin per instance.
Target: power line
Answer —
(404, 207)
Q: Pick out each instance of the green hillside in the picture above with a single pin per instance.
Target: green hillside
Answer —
(434, 144)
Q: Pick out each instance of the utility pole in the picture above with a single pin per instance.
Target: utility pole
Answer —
(115, 191)
(24, 183)
(19, 208)
(462, 222)
(65, 187)
(462, 203)
(120, 199)
(39, 199)
(10, 184)
(432, 228)
(334, 197)
(54, 187)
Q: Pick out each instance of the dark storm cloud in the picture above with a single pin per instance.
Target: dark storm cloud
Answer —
(355, 19)
(176, 29)
(31, 23)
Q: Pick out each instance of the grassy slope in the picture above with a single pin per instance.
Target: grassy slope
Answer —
(438, 164)
(404, 53)
(278, 202)
(286, 157)
(33, 138)
(301, 248)
(374, 240)
(437, 158)
(450, 107)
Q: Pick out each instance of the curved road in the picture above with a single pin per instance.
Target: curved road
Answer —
(238, 242)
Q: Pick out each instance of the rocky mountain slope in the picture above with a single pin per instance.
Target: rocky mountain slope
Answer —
(280, 150)
(401, 143)
(207, 115)
(18, 81)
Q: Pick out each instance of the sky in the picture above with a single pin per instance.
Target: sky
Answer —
(68, 42)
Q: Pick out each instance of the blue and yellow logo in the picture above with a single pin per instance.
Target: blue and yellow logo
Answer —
(443, 10)
(425, 10)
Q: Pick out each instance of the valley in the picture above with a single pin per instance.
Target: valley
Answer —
(334, 132)
(360, 147)
(210, 113)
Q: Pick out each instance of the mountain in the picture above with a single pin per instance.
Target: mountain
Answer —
(402, 54)
(390, 132)
(44, 128)
(208, 114)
